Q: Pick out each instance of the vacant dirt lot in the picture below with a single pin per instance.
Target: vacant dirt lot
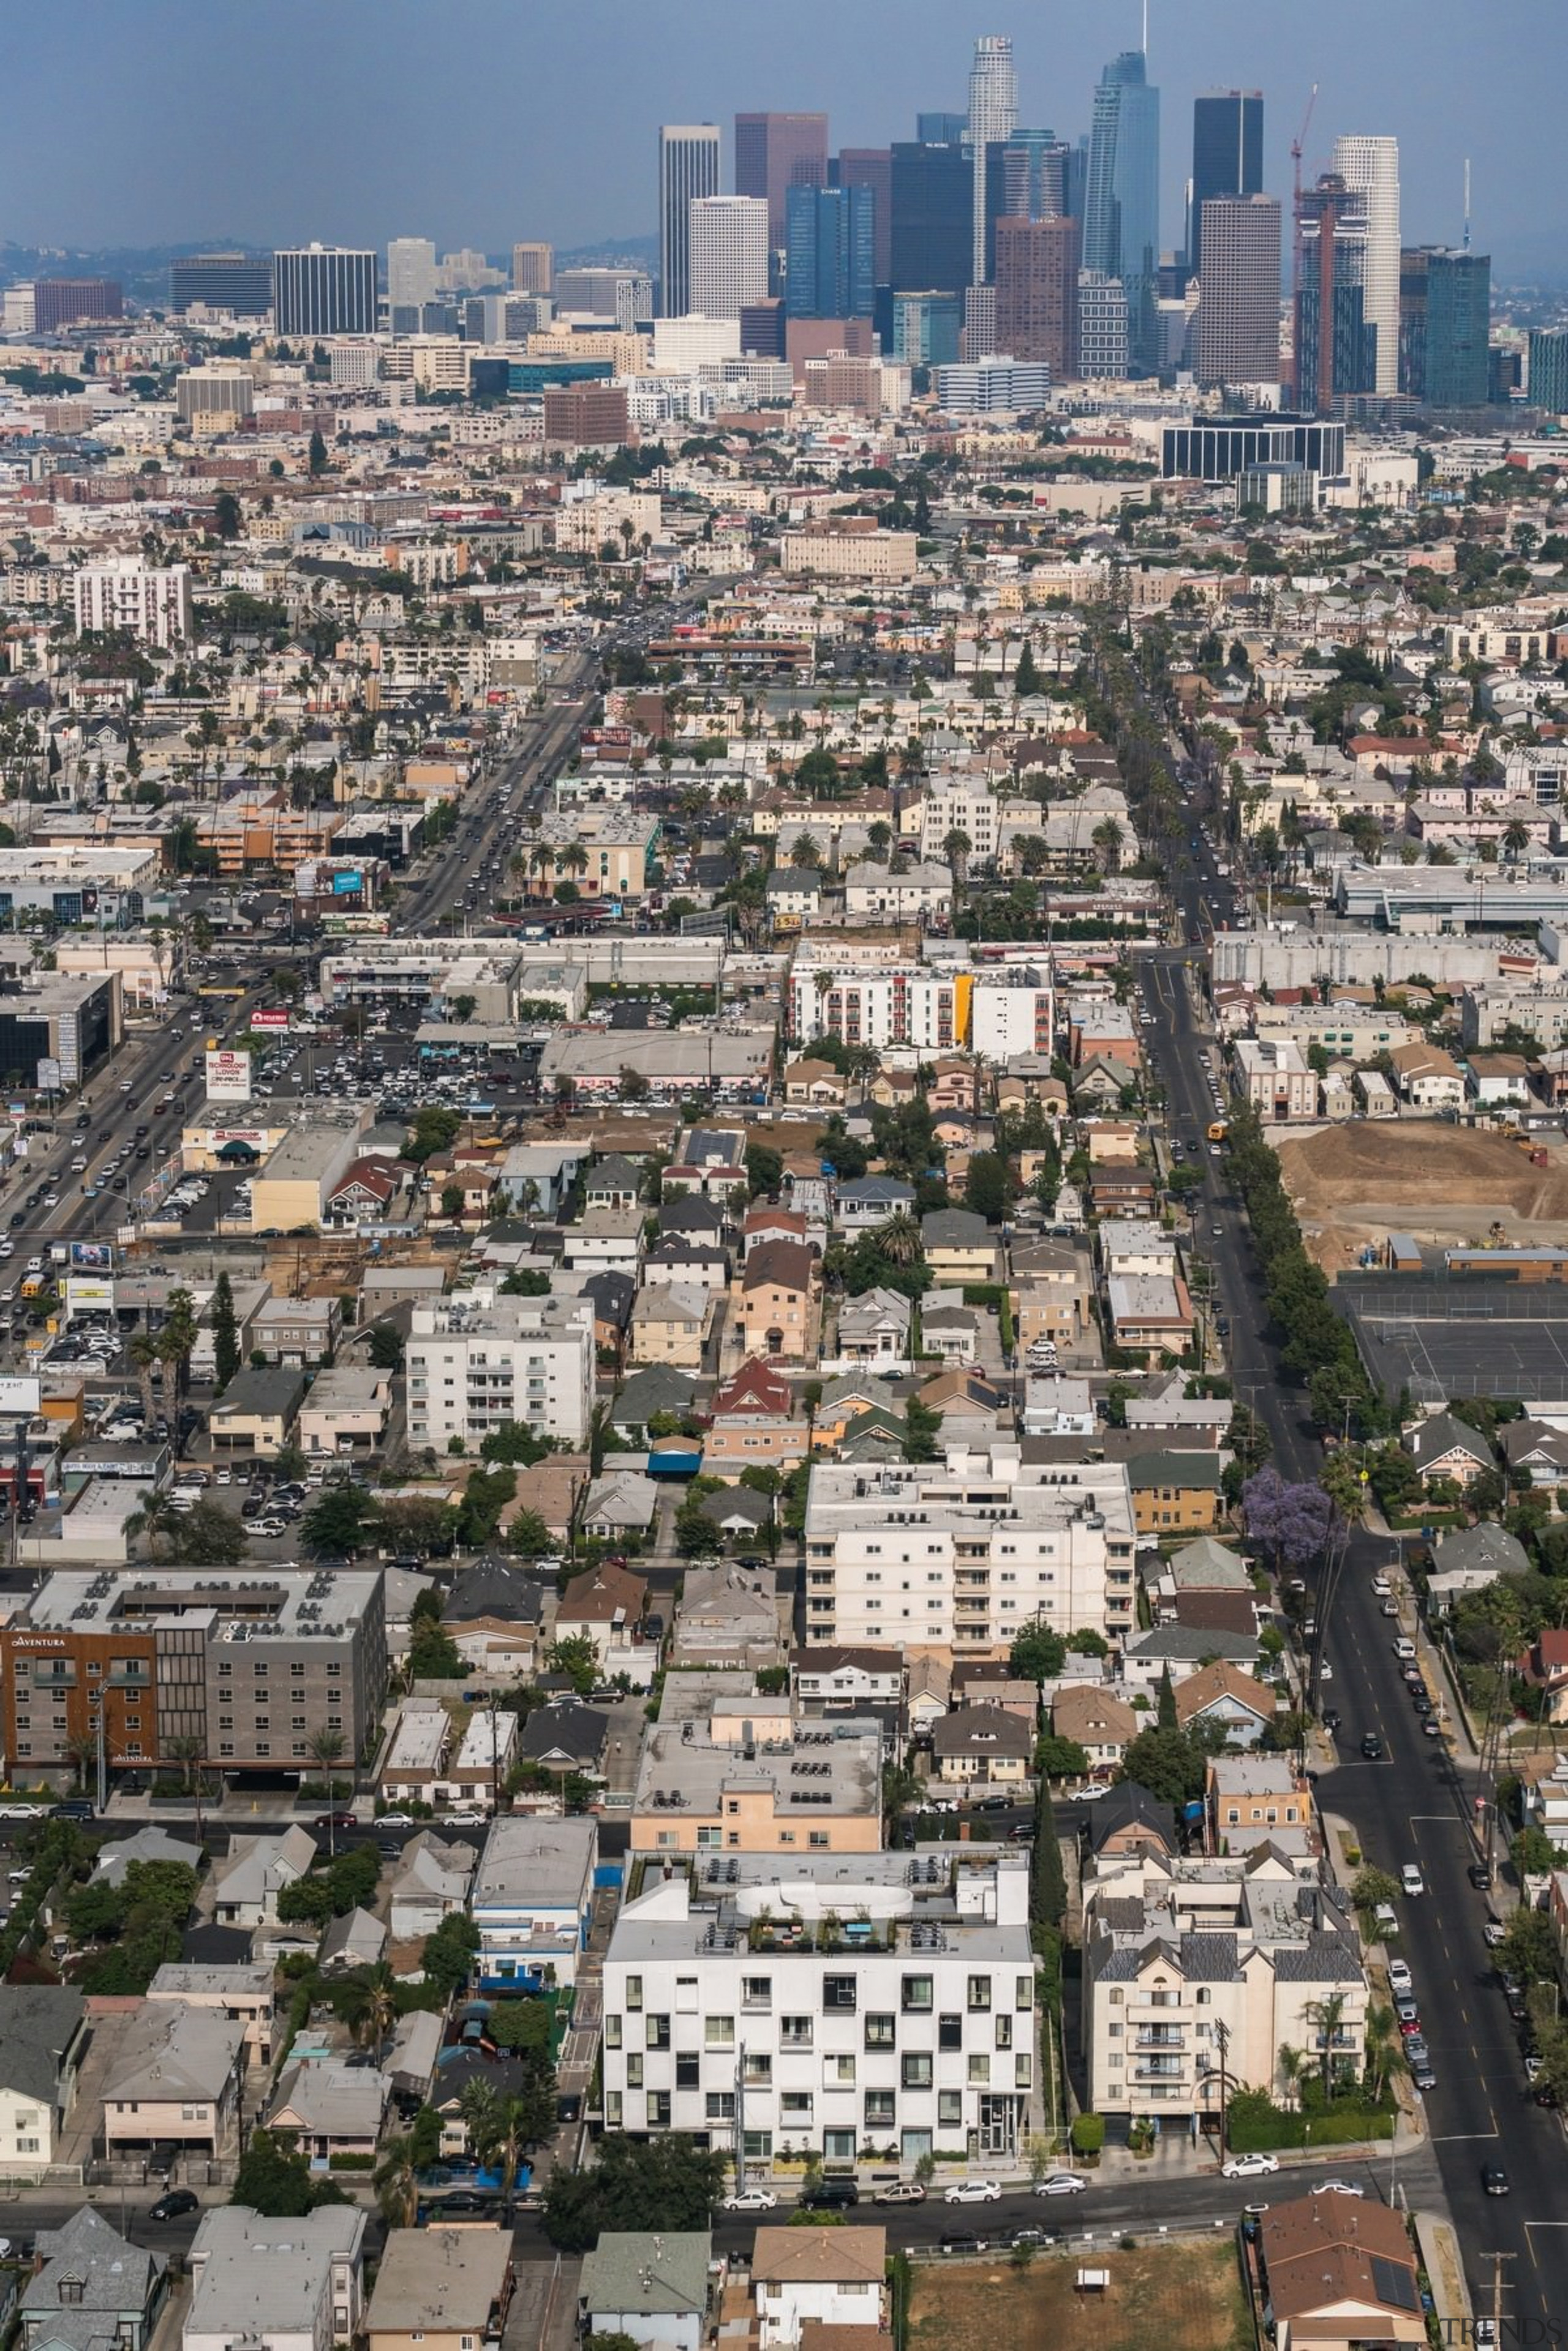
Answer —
(1178, 2297)
(1357, 1183)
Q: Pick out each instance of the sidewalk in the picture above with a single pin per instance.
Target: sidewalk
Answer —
(1441, 2258)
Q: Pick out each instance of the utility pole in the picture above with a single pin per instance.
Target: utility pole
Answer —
(1497, 2261)
(1222, 2034)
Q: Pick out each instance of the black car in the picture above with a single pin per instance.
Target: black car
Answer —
(1480, 1875)
(568, 2108)
(1332, 1718)
(1495, 2180)
(175, 2205)
(961, 2241)
(1372, 1746)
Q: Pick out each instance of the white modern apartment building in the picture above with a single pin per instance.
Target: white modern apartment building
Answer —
(1012, 1012)
(900, 1004)
(477, 1360)
(1274, 1075)
(961, 1554)
(1371, 167)
(138, 600)
(411, 272)
(1183, 1957)
(857, 1997)
(729, 254)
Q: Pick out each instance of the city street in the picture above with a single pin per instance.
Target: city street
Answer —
(1411, 1806)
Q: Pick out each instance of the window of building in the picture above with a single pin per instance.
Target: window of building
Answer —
(917, 1995)
(916, 2069)
(881, 2031)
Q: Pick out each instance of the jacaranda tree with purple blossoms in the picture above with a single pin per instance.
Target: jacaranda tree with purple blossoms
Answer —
(1293, 1520)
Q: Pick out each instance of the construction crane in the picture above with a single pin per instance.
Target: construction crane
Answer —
(1297, 145)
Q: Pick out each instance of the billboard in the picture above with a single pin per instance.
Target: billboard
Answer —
(269, 1019)
(18, 1397)
(50, 1075)
(345, 884)
(92, 1257)
(228, 1077)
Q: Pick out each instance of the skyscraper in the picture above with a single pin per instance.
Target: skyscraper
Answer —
(940, 130)
(1334, 347)
(324, 289)
(235, 282)
(775, 152)
(1121, 199)
(831, 246)
(1101, 327)
(1238, 291)
(1026, 179)
(1227, 155)
(411, 272)
(1037, 293)
(688, 168)
(1458, 316)
(1548, 386)
(933, 194)
(871, 167)
(729, 255)
(993, 116)
(533, 269)
(1370, 168)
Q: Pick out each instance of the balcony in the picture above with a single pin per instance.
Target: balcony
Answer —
(1160, 2069)
(1161, 2036)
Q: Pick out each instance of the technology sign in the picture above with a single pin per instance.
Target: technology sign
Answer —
(228, 1077)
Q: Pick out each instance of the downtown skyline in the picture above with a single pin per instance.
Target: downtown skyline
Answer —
(392, 135)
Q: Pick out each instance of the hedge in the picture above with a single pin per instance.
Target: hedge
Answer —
(345, 2161)
(1252, 2127)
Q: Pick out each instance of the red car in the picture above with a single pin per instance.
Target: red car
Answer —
(336, 1821)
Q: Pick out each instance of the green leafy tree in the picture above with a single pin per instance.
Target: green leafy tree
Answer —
(275, 2179)
(448, 1959)
(577, 1659)
(989, 1187)
(338, 1519)
(529, 1536)
(1038, 1653)
(922, 1428)
(1167, 1763)
(432, 1656)
(665, 2183)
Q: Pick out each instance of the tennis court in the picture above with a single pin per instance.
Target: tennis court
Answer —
(1463, 1339)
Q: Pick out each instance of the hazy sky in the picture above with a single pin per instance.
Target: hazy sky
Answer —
(477, 122)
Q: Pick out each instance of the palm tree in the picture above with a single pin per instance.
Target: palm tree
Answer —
(575, 859)
(81, 1753)
(397, 2184)
(187, 1753)
(805, 850)
(156, 1520)
(144, 1352)
(879, 841)
(1516, 839)
(899, 1239)
(479, 2106)
(381, 2006)
(1328, 2015)
(956, 849)
(1380, 2041)
(325, 1748)
(1291, 2061)
(1107, 839)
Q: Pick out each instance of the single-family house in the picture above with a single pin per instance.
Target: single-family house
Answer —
(982, 1743)
(1096, 1720)
(43, 2040)
(655, 2288)
(245, 1887)
(1444, 1447)
(820, 2285)
(330, 2107)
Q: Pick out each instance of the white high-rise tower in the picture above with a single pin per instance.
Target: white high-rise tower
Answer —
(993, 116)
(1371, 167)
(729, 255)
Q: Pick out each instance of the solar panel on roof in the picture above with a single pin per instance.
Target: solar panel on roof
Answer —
(1394, 2284)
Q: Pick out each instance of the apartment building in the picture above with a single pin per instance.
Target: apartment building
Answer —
(1182, 1957)
(726, 1769)
(886, 1997)
(252, 1667)
(127, 597)
(606, 852)
(900, 1004)
(956, 804)
(1273, 1075)
(1013, 1013)
(532, 1901)
(480, 1359)
(961, 1554)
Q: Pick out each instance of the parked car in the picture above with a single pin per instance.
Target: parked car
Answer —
(1250, 2167)
(900, 2191)
(975, 2191)
(336, 1821)
(751, 2200)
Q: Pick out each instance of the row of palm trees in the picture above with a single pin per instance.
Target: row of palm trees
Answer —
(542, 857)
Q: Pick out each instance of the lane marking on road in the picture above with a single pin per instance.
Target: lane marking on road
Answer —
(1463, 2138)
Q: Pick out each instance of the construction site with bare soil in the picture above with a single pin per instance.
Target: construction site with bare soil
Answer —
(1446, 1187)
